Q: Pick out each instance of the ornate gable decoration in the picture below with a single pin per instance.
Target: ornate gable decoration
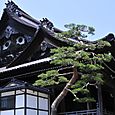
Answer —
(11, 7)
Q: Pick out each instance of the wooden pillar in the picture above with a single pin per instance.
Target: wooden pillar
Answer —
(114, 99)
(100, 100)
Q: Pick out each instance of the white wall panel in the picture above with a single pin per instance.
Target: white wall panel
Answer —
(7, 93)
(20, 112)
(31, 112)
(20, 101)
(8, 112)
(43, 103)
(31, 101)
(43, 113)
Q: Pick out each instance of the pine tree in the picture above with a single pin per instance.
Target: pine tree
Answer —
(82, 56)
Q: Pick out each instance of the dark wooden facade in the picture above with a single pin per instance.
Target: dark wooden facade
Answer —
(25, 45)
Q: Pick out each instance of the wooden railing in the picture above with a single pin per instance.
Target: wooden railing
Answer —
(84, 112)
(87, 112)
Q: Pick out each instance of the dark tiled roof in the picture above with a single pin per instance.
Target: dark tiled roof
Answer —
(39, 35)
(22, 85)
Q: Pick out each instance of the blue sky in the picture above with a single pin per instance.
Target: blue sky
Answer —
(97, 13)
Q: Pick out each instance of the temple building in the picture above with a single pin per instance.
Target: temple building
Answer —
(25, 45)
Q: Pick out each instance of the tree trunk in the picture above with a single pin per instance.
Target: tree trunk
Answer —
(64, 92)
(53, 111)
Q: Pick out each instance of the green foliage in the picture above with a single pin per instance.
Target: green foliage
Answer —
(81, 90)
(74, 30)
(62, 79)
(101, 44)
(82, 56)
(51, 77)
(39, 82)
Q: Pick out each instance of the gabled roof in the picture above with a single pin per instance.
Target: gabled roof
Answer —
(24, 23)
(15, 84)
(21, 21)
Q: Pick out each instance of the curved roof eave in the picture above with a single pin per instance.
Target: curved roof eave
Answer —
(39, 36)
(29, 50)
(21, 25)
